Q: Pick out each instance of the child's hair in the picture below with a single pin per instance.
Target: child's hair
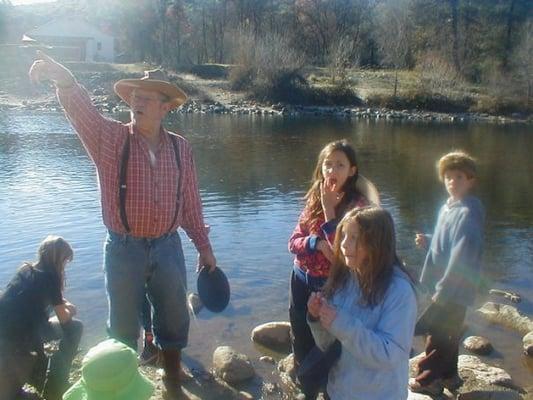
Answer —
(350, 191)
(457, 160)
(51, 256)
(376, 234)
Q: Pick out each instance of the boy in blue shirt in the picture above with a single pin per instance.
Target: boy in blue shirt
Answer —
(451, 272)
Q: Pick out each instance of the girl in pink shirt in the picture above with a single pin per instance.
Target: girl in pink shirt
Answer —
(334, 191)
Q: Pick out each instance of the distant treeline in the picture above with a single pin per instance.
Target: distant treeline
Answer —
(478, 41)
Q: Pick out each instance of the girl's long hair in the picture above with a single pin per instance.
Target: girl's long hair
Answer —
(377, 236)
(51, 256)
(349, 188)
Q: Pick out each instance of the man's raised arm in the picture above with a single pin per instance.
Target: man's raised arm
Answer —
(90, 125)
(46, 68)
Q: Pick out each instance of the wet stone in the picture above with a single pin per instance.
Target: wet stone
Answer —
(478, 345)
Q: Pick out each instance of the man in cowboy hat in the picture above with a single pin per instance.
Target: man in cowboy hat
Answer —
(148, 189)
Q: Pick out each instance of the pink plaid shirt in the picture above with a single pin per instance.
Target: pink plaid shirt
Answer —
(151, 195)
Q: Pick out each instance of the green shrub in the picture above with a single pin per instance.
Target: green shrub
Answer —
(211, 71)
(267, 66)
(294, 89)
(422, 100)
(503, 106)
(241, 77)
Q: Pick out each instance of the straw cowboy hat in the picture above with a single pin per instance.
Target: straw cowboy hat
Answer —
(153, 80)
(109, 372)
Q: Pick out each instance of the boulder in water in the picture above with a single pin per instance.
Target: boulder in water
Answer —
(507, 316)
(478, 345)
(528, 344)
(273, 335)
(231, 366)
(480, 381)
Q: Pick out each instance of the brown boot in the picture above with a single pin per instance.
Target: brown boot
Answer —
(185, 373)
(171, 377)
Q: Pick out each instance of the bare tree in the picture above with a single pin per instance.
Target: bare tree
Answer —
(342, 54)
(324, 22)
(268, 62)
(454, 11)
(523, 60)
(438, 75)
(393, 34)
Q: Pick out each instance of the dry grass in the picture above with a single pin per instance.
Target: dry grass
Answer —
(377, 88)
(368, 82)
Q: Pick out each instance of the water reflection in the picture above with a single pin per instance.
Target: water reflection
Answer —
(253, 172)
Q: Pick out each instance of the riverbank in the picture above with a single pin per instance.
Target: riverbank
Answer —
(213, 95)
(482, 378)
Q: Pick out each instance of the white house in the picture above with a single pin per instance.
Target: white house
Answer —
(91, 44)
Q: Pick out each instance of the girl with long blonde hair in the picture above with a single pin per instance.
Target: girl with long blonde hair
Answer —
(368, 304)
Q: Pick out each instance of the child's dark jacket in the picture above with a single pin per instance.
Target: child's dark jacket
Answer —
(25, 302)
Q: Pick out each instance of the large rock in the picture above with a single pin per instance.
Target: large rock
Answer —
(478, 345)
(484, 382)
(231, 366)
(483, 373)
(527, 341)
(287, 376)
(507, 316)
(481, 381)
(273, 335)
(287, 364)
(289, 388)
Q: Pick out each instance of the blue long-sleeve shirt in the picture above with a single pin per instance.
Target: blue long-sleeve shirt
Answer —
(376, 341)
(453, 262)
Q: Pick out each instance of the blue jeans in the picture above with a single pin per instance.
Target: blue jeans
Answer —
(146, 315)
(137, 266)
(301, 287)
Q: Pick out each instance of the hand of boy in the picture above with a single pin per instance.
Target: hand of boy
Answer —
(420, 241)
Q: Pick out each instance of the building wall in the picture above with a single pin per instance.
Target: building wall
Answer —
(101, 48)
(98, 46)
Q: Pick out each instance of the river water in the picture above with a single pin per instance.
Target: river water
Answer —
(253, 172)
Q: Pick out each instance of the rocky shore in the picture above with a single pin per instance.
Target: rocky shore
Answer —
(215, 97)
(110, 104)
(233, 376)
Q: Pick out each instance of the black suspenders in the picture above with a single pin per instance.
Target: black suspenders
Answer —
(174, 141)
(123, 173)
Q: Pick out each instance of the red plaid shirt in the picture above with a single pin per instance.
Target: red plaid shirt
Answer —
(151, 195)
(307, 258)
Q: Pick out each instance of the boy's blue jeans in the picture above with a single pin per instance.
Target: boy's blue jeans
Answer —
(137, 266)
